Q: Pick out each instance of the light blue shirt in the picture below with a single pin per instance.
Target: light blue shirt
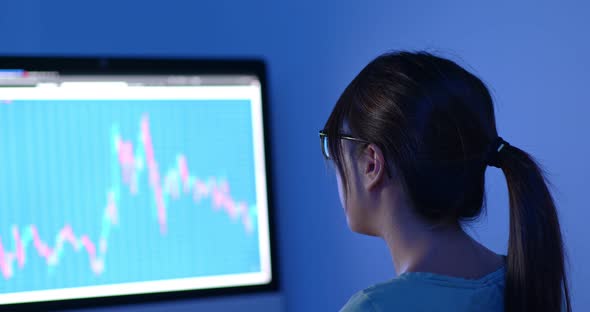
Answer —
(421, 292)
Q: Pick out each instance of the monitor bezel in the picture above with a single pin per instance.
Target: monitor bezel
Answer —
(136, 65)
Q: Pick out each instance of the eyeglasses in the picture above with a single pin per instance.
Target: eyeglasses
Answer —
(326, 147)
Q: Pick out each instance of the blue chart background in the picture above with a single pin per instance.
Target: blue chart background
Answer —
(55, 168)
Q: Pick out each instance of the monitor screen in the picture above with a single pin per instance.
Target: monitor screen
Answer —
(129, 182)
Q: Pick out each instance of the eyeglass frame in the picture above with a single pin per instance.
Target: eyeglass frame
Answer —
(342, 136)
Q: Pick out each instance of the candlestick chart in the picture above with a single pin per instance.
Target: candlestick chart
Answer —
(100, 192)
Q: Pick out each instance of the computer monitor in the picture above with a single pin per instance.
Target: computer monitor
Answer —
(125, 180)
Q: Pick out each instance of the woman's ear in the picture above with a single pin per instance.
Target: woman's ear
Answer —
(373, 166)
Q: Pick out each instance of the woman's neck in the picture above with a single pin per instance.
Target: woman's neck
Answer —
(417, 246)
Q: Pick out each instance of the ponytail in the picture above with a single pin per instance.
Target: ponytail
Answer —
(535, 276)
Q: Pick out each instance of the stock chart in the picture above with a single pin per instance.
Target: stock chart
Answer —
(98, 192)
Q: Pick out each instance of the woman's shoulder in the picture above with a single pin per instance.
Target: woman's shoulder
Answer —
(396, 290)
(393, 292)
(426, 290)
(359, 302)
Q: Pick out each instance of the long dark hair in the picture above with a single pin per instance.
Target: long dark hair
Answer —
(435, 123)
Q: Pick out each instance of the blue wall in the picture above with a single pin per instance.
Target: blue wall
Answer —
(533, 56)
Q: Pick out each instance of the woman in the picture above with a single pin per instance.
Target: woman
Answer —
(411, 137)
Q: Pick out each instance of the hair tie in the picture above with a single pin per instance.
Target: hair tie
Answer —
(496, 147)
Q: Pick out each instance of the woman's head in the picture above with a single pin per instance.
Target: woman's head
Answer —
(431, 120)
(423, 127)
